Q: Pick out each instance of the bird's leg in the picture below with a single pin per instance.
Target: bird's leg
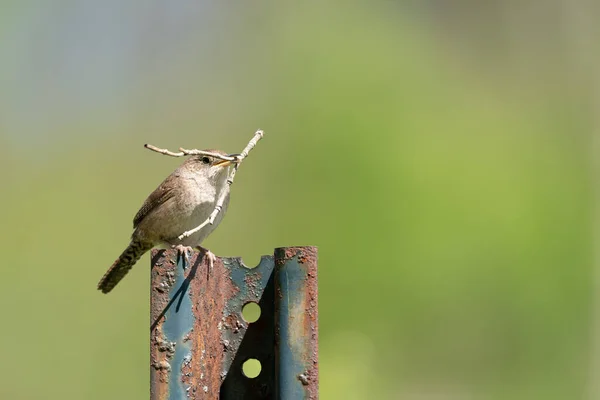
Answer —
(211, 259)
(182, 251)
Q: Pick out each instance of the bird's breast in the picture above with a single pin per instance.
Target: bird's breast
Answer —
(197, 206)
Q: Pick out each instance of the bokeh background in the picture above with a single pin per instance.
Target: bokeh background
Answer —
(443, 155)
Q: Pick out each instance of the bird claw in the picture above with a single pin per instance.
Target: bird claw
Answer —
(211, 259)
(183, 251)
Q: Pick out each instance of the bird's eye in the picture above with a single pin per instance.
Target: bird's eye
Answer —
(206, 160)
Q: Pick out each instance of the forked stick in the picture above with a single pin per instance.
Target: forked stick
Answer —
(237, 158)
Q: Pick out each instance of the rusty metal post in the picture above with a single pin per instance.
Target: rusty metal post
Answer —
(296, 324)
(199, 338)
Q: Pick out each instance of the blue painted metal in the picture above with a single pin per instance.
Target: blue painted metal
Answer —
(179, 322)
(199, 339)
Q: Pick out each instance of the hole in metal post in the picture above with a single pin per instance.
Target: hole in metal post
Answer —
(251, 368)
(251, 312)
(250, 261)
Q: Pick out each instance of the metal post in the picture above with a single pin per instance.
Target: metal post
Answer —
(296, 324)
(199, 338)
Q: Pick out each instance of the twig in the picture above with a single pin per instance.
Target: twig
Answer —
(185, 152)
(237, 158)
(163, 151)
(193, 152)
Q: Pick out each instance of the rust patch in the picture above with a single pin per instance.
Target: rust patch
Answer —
(252, 281)
(311, 327)
(233, 323)
(201, 373)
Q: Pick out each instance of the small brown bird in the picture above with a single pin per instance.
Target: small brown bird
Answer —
(183, 201)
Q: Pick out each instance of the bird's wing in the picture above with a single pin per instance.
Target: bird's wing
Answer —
(162, 193)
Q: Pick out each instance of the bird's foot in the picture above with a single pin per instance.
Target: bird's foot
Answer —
(211, 259)
(183, 251)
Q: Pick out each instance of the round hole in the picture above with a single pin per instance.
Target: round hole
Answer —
(251, 312)
(250, 261)
(251, 368)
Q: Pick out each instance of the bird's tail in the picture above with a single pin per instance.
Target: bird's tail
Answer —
(122, 265)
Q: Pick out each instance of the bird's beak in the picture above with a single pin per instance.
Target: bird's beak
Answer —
(224, 163)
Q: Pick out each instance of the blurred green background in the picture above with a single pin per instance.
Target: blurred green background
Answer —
(441, 154)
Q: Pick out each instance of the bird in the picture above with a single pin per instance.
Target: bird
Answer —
(183, 201)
